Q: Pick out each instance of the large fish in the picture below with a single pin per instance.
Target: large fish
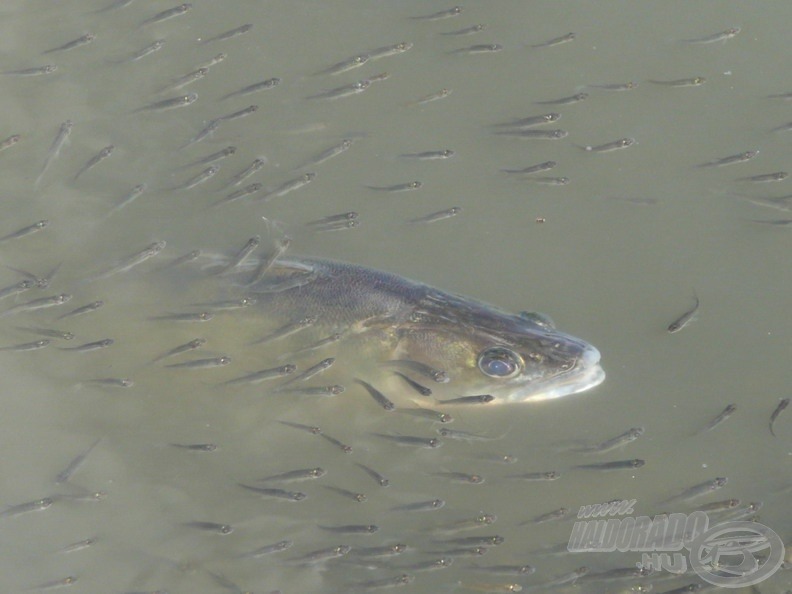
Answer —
(387, 322)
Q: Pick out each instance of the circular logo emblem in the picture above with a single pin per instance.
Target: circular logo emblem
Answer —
(736, 554)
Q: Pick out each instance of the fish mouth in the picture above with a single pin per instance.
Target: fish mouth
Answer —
(585, 374)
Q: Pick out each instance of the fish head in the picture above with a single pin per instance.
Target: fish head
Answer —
(485, 350)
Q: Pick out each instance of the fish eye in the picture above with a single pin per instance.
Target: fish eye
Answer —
(499, 362)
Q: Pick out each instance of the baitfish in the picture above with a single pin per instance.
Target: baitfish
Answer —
(386, 318)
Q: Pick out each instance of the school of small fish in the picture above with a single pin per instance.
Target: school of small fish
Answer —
(385, 494)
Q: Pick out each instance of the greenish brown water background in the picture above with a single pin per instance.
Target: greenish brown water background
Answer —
(625, 246)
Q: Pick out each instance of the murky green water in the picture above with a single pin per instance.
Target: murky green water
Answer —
(623, 248)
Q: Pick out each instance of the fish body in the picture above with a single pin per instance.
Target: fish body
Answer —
(385, 318)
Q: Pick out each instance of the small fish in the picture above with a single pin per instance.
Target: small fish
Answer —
(264, 85)
(331, 152)
(555, 41)
(443, 14)
(90, 346)
(346, 65)
(565, 100)
(476, 399)
(296, 475)
(183, 259)
(628, 86)
(477, 521)
(246, 173)
(421, 506)
(312, 429)
(312, 371)
(777, 222)
(462, 435)
(206, 132)
(731, 159)
(389, 582)
(79, 545)
(436, 375)
(698, 490)
(617, 465)
(684, 319)
(323, 555)
(10, 141)
(461, 477)
(345, 91)
(550, 475)
(481, 48)
(441, 94)
(782, 405)
(211, 527)
(216, 156)
(380, 479)
(95, 160)
(60, 141)
(556, 134)
(464, 552)
(197, 179)
(538, 168)
(37, 226)
(411, 440)
(236, 32)
(421, 389)
(353, 495)
(610, 146)
(59, 583)
(352, 529)
(111, 382)
(558, 514)
(17, 288)
(133, 195)
(288, 329)
(776, 176)
(27, 346)
(242, 113)
(343, 217)
(37, 304)
(214, 60)
(202, 363)
(227, 304)
(289, 186)
(276, 493)
(696, 81)
(172, 103)
(725, 414)
(715, 37)
(195, 447)
(430, 155)
(414, 185)
(200, 316)
(615, 442)
(37, 71)
(717, 506)
(62, 335)
(79, 42)
(90, 307)
(567, 578)
(378, 396)
(531, 121)
(186, 79)
(135, 259)
(389, 50)
(248, 190)
(339, 444)
(281, 545)
(333, 390)
(251, 245)
(782, 128)
(23, 508)
(505, 569)
(267, 262)
(142, 53)
(167, 14)
(263, 375)
(466, 31)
